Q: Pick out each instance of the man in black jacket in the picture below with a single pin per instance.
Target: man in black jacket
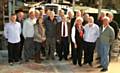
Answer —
(115, 26)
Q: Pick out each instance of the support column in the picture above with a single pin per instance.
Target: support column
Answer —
(2, 14)
(100, 7)
(10, 8)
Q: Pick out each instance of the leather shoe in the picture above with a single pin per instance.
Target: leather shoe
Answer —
(66, 59)
(60, 59)
(104, 70)
(90, 64)
(84, 63)
(100, 66)
(80, 65)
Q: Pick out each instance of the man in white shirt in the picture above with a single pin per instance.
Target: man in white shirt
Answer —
(28, 33)
(90, 36)
(12, 31)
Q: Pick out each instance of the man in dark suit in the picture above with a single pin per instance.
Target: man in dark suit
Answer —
(20, 19)
(63, 33)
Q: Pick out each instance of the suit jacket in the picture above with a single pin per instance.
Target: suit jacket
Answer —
(72, 22)
(107, 36)
(115, 26)
(59, 28)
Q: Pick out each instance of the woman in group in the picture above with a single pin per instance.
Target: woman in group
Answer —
(77, 39)
(39, 38)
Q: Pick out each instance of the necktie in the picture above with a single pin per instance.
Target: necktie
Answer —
(64, 29)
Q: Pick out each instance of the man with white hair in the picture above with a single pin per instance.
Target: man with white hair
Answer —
(61, 14)
(113, 24)
(90, 36)
(100, 18)
(28, 33)
(70, 15)
(106, 38)
(50, 26)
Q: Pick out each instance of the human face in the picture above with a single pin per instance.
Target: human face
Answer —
(78, 13)
(70, 14)
(52, 14)
(20, 16)
(78, 22)
(63, 18)
(105, 22)
(32, 15)
(13, 18)
(40, 21)
(37, 13)
(110, 17)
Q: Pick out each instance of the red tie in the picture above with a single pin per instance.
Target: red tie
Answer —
(64, 29)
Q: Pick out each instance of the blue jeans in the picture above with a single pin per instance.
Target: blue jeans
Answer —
(104, 54)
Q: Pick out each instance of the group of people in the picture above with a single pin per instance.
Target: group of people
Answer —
(43, 32)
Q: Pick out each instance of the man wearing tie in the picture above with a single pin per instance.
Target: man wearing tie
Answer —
(63, 31)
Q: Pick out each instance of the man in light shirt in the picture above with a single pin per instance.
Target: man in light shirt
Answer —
(28, 33)
(12, 31)
(90, 36)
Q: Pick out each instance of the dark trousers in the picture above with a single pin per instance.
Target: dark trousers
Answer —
(50, 47)
(77, 54)
(58, 46)
(28, 48)
(42, 50)
(110, 53)
(37, 48)
(72, 48)
(13, 52)
(63, 52)
(88, 52)
(21, 46)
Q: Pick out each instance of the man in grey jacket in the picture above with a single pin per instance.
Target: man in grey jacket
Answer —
(106, 38)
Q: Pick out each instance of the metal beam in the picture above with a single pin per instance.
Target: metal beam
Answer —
(10, 8)
(100, 7)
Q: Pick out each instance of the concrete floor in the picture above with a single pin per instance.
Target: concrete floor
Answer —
(56, 67)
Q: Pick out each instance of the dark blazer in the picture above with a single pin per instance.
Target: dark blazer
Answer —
(59, 28)
(72, 21)
(115, 26)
